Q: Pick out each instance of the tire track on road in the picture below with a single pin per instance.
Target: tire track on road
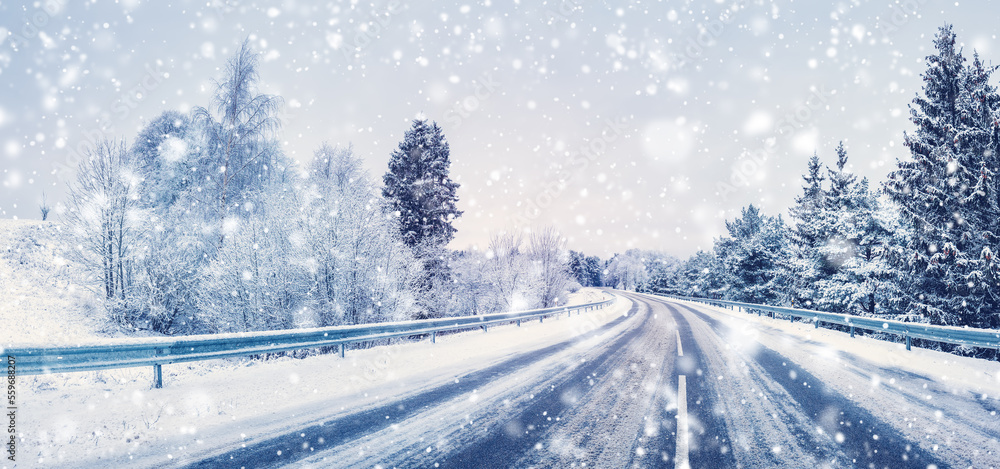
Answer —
(306, 442)
(710, 444)
(562, 426)
(861, 438)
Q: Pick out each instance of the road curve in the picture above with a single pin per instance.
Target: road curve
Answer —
(614, 397)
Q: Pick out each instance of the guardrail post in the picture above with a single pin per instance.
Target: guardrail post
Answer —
(791, 318)
(518, 323)
(907, 339)
(816, 323)
(342, 349)
(852, 331)
(484, 328)
(541, 319)
(434, 337)
(157, 376)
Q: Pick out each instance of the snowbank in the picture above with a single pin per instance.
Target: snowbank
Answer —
(110, 418)
(45, 297)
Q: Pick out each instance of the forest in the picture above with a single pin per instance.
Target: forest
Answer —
(201, 224)
(918, 247)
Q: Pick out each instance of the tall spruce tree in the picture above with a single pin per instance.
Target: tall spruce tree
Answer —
(841, 180)
(979, 143)
(578, 267)
(419, 188)
(595, 271)
(845, 206)
(864, 249)
(946, 193)
(807, 236)
(702, 275)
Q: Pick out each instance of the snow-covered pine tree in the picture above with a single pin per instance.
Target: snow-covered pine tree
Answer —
(418, 186)
(701, 275)
(577, 267)
(921, 186)
(664, 272)
(586, 270)
(806, 237)
(419, 190)
(943, 193)
(844, 208)
(975, 276)
(841, 181)
(864, 249)
(595, 271)
(753, 257)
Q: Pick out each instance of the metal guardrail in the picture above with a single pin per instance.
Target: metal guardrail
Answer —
(984, 338)
(125, 353)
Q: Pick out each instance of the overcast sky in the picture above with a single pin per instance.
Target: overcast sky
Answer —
(666, 98)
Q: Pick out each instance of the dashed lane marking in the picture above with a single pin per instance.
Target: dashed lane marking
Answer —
(681, 458)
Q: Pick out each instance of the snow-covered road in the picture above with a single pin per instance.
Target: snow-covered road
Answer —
(606, 390)
(770, 394)
(610, 399)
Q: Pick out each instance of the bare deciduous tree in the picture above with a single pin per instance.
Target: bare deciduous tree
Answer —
(546, 247)
(106, 216)
(627, 271)
(44, 207)
(362, 270)
(509, 271)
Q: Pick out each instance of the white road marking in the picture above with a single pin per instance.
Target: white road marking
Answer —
(681, 458)
(680, 348)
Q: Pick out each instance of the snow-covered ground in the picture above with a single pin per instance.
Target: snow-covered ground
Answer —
(45, 297)
(112, 417)
(944, 403)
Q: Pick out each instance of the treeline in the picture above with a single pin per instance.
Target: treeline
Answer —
(203, 224)
(921, 247)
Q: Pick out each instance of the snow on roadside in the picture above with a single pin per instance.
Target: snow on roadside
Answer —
(44, 294)
(962, 373)
(945, 403)
(112, 417)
